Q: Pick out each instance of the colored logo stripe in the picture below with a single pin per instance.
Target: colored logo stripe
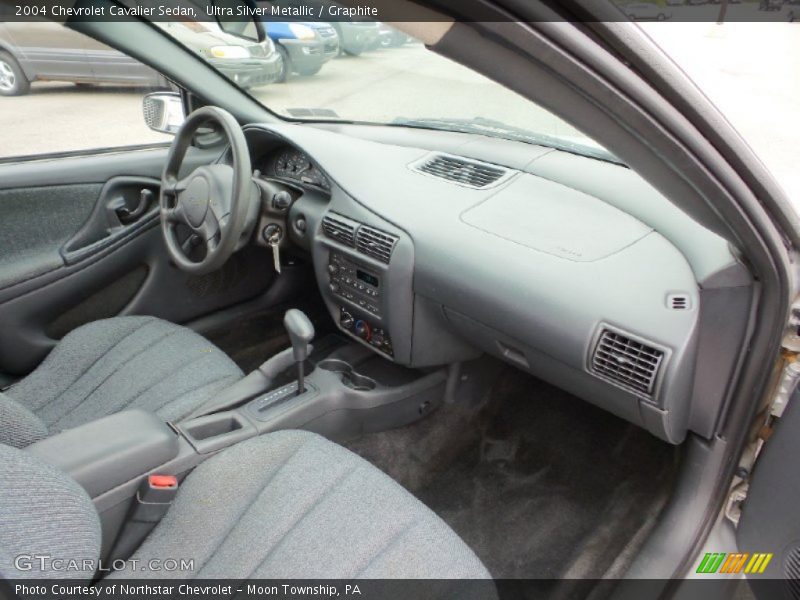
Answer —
(711, 562)
(733, 563)
(758, 564)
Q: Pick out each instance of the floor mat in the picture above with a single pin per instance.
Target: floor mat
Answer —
(539, 483)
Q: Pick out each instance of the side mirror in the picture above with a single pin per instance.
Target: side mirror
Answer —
(163, 111)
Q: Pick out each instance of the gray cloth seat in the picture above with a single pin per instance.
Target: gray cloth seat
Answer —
(289, 504)
(112, 365)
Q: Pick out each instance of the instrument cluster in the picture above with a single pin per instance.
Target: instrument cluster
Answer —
(293, 165)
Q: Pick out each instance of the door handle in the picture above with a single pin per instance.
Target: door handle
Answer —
(128, 215)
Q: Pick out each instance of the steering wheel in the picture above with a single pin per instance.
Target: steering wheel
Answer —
(216, 202)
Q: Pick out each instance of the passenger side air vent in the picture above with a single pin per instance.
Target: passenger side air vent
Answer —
(624, 361)
(791, 572)
(470, 173)
(340, 228)
(375, 243)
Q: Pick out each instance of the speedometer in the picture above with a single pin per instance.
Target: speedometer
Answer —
(296, 165)
(282, 165)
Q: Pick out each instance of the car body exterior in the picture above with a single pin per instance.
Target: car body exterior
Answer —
(356, 37)
(247, 63)
(46, 51)
(304, 47)
(641, 11)
(391, 37)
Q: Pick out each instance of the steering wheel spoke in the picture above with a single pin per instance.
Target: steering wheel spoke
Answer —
(209, 231)
(173, 186)
(212, 244)
(174, 215)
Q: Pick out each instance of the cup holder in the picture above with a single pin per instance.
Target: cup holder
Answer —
(349, 377)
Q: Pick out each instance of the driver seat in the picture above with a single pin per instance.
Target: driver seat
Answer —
(112, 365)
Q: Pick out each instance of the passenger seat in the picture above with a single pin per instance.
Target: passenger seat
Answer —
(289, 504)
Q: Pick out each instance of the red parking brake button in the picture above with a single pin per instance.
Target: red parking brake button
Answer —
(163, 481)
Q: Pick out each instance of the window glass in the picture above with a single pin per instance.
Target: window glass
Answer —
(62, 91)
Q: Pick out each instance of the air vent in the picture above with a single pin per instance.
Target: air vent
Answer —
(375, 243)
(626, 362)
(791, 572)
(464, 172)
(679, 302)
(340, 228)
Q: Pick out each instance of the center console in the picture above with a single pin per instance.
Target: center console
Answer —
(364, 267)
(122, 460)
(359, 285)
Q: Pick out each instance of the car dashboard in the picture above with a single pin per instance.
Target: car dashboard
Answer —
(431, 256)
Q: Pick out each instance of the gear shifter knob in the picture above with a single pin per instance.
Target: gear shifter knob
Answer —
(300, 331)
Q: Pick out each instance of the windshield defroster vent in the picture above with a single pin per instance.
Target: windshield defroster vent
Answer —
(627, 363)
(375, 243)
(470, 173)
(340, 228)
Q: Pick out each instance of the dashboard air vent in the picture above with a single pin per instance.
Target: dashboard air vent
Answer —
(459, 170)
(340, 228)
(375, 243)
(626, 362)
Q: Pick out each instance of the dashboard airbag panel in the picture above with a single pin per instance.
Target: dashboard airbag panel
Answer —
(552, 218)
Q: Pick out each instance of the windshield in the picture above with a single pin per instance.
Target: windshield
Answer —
(368, 72)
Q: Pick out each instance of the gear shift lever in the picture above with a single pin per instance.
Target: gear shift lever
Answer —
(301, 332)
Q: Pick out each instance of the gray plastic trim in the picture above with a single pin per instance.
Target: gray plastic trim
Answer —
(110, 451)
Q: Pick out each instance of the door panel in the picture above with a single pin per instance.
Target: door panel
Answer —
(110, 65)
(31, 246)
(770, 521)
(75, 261)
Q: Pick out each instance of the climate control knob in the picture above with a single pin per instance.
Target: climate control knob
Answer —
(362, 330)
(346, 320)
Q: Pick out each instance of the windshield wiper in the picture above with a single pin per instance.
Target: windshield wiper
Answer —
(492, 128)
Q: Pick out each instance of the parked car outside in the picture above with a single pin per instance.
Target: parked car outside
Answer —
(303, 47)
(647, 11)
(357, 37)
(391, 37)
(245, 62)
(46, 51)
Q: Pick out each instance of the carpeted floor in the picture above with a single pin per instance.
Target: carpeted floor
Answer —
(252, 340)
(539, 483)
